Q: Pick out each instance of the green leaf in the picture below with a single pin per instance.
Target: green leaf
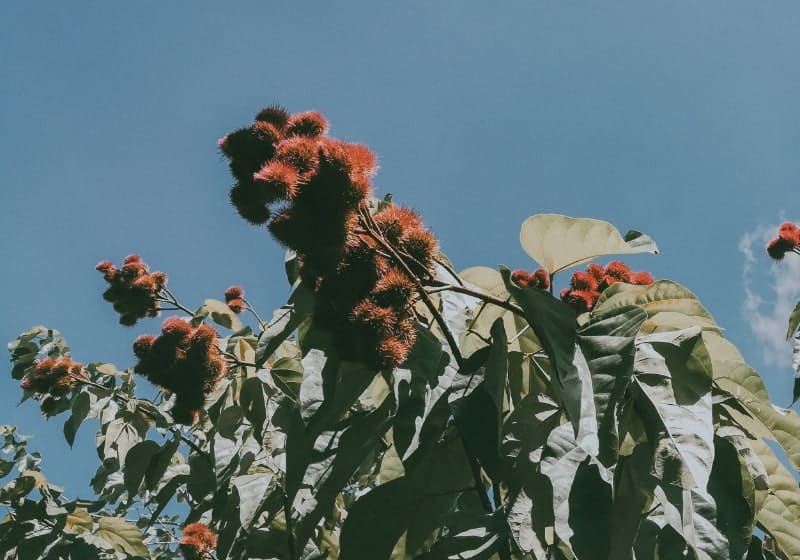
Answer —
(81, 406)
(674, 398)
(563, 459)
(252, 490)
(219, 312)
(559, 242)
(229, 421)
(794, 321)
(123, 536)
(780, 513)
(734, 494)
(159, 463)
(473, 536)
(607, 342)
(411, 506)
(284, 322)
(555, 325)
(669, 305)
(136, 463)
(733, 375)
(253, 400)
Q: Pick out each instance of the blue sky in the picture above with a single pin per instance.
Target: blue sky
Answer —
(679, 119)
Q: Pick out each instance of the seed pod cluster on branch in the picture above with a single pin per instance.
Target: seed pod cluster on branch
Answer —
(586, 287)
(51, 380)
(536, 279)
(198, 542)
(183, 360)
(358, 264)
(233, 297)
(134, 291)
(788, 240)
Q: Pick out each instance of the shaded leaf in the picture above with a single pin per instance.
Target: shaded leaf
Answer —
(794, 321)
(284, 322)
(252, 490)
(80, 410)
(555, 325)
(558, 242)
(136, 463)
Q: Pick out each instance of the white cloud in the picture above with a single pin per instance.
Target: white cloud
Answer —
(772, 289)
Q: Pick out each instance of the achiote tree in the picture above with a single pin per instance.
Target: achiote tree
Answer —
(395, 408)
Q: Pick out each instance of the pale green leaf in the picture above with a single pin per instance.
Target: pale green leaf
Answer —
(252, 490)
(733, 375)
(123, 536)
(559, 242)
(664, 301)
(219, 312)
(780, 513)
(675, 400)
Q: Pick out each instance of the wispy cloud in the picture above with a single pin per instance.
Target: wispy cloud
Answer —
(771, 291)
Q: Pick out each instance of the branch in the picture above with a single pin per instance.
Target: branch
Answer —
(374, 232)
(504, 303)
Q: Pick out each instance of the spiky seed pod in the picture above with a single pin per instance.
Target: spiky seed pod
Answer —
(583, 281)
(143, 345)
(393, 289)
(249, 204)
(790, 232)
(277, 180)
(619, 271)
(394, 221)
(540, 279)
(275, 115)
(176, 328)
(379, 319)
(301, 153)
(778, 247)
(234, 292)
(421, 246)
(308, 123)
(236, 305)
(132, 259)
(581, 300)
(642, 278)
(521, 278)
(198, 541)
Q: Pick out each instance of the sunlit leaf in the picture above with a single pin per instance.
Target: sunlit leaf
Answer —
(252, 490)
(780, 514)
(733, 375)
(123, 536)
(558, 242)
(219, 312)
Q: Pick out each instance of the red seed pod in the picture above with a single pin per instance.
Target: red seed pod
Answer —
(777, 248)
(619, 271)
(275, 115)
(642, 278)
(279, 181)
(521, 278)
(234, 292)
(300, 153)
(540, 279)
(308, 123)
(236, 305)
(583, 281)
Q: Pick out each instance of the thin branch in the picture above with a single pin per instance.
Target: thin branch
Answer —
(448, 268)
(504, 303)
(287, 513)
(374, 232)
(252, 310)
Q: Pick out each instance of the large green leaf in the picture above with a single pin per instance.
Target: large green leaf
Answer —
(558, 242)
(473, 536)
(252, 490)
(675, 397)
(733, 491)
(608, 345)
(123, 536)
(555, 325)
(578, 483)
(136, 464)
(219, 312)
(780, 513)
(411, 506)
(669, 305)
(733, 375)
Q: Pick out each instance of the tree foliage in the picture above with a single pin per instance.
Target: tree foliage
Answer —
(394, 408)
